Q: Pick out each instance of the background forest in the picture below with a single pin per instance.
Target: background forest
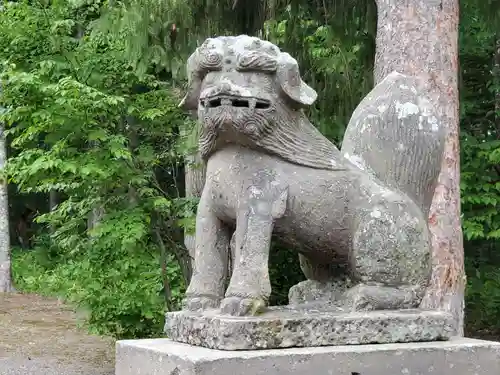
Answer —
(96, 145)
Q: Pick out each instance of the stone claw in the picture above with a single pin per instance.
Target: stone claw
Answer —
(356, 299)
(372, 297)
(200, 303)
(240, 306)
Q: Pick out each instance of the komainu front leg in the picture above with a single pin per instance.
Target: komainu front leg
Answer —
(206, 288)
(390, 259)
(250, 286)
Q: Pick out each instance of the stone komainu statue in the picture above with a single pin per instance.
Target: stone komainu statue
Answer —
(357, 217)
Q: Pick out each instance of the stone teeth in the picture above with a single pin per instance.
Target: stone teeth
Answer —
(252, 103)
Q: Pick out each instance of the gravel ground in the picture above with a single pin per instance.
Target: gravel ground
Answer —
(46, 366)
(40, 336)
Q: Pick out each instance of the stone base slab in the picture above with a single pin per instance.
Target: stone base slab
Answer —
(455, 357)
(286, 327)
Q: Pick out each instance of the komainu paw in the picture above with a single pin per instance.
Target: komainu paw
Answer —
(240, 306)
(200, 303)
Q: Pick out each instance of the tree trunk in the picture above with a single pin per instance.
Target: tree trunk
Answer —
(97, 213)
(95, 218)
(420, 38)
(53, 200)
(5, 264)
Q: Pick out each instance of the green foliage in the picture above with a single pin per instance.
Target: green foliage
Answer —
(480, 132)
(481, 191)
(338, 66)
(480, 165)
(146, 28)
(85, 125)
(483, 290)
(285, 272)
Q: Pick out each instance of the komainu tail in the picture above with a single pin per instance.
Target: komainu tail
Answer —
(396, 135)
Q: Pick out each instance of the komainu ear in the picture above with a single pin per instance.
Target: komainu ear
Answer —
(190, 100)
(288, 75)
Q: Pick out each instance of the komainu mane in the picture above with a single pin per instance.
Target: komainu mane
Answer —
(356, 217)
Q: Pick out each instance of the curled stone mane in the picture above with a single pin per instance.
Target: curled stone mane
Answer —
(295, 139)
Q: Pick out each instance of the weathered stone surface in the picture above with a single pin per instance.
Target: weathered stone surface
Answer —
(395, 134)
(357, 219)
(305, 327)
(455, 357)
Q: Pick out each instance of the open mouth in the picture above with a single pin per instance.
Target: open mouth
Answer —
(237, 102)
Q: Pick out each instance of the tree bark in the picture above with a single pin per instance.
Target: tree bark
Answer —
(95, 218)
(5, 262)
(53, 200)
(97, 213)
(420, 38)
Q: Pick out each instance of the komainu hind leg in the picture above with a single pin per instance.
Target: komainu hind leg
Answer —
(390, 259)
(325, 284)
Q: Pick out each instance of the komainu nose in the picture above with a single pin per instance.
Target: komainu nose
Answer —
(225, 88)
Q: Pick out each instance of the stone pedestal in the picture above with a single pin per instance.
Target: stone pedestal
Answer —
(455, 357)
(286, 327)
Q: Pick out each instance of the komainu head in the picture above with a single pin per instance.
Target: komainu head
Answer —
(248, 92)
(241, 85)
